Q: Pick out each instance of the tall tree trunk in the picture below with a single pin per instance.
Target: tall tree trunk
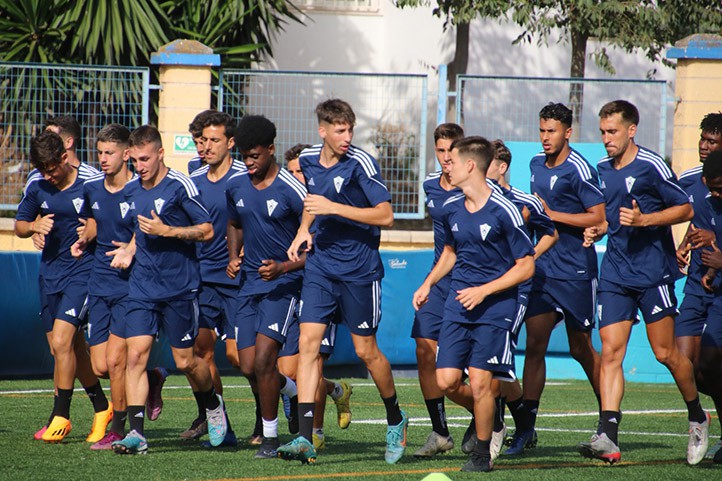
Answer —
(460, 62)
(576, 89)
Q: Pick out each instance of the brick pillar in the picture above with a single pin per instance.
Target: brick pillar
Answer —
(185, 90)
(698, 91)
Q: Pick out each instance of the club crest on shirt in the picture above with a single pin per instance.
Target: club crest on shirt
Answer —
(78, 204)
(271, 205)
(159, 205)
(552, 181)
(484, 228)
(124, 208)
(338, 182)
(630, 182)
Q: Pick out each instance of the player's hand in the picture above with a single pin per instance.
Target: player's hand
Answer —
(271, 269)
(593, 234)
(152, 226)
(234, 267)
(43, 225)
(318, 205)
(471, 297)
(712, 257)
(302, 237)
(122, 256)
(683, 254)
(699, 237)
(78, 247)
(421, 297)
(38, 241)
(708, 280)
(544, 204)
(81, 228)
(631, 217)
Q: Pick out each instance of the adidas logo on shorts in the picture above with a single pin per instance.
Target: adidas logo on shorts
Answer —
(187, 337)
(363, 325)
(274, 327)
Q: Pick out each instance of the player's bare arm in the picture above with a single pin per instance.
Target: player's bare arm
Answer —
(234, 240)
(522, 270)
(634, 217)
(303, 236)
(443, 266)
(594, 215)
(43, 225)
(194, 233)
(381, 215)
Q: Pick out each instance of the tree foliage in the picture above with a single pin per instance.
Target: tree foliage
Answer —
(647, 25)
(126, 32)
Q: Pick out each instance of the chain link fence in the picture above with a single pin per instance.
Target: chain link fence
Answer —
(391, 112)
(508, 107)
(94, 95)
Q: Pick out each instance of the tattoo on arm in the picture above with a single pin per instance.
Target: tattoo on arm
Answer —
(191, 233)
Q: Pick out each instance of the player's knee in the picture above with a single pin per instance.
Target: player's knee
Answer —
(425, 356)
(448, 384)
(665, 356)
(265, 364)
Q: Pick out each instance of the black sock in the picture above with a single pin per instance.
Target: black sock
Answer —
(210, 400)
(55, 409)
(532, 407)
(201, 406)
(117, 425)
(610, 425)
(258, 428)
(695, 413)
(437, 413)
(482, 448)
(153, 378)
(305, 418)
(228, 420)
(499, 414)
(97, 397)
(520, 415)
(63, 407)
(393, 411)
(136, 416)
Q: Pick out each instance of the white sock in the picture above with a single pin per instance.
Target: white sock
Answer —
(337, 391)
(289, 389)
(270, 428)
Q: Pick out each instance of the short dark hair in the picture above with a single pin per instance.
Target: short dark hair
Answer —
(219, 118)
(557, 111)
(145, 134)
(196, 126)
(67, 126)
(476, 147)
(335, 111)
(116, 133)
(46, 149)
(295, 151)
(501, 151)
(626, 109)
(254, 130)
(712, 123)
(449, 131)
(712, 167)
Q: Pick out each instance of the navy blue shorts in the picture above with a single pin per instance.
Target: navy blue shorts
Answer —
(712, 335)
(70, 305)
(429, 317)
(359, 303)
(271, 314)
(218, 304)
(573, 300)
(177, 318)
(106, 315)
(521, 306)
(693, 313)
(618, 303)
(481, 346)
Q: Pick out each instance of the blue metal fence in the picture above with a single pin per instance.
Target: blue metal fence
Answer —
(94, 95)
